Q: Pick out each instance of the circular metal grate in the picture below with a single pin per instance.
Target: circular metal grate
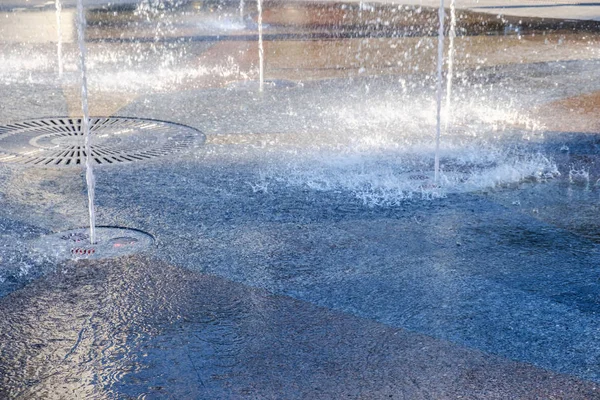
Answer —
(59, 142)
(111, 242)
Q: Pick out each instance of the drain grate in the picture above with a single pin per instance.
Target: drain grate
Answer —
(59, 142)
(111, 242)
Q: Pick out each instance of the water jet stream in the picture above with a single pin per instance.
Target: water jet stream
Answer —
(85, 121)
(261, 51)
(59, 38)
(440, 64)
(449, 77)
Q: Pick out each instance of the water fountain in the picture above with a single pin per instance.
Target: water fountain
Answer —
(438, 115)
(85, 120)
(261, 50)
(415, 186)
(59, 38)
(450, 74)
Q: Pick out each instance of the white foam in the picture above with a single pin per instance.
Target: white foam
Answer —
(386, 155)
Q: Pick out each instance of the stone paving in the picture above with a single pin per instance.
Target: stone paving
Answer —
(119, 329)
(260, 288)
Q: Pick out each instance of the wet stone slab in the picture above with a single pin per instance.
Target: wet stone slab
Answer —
(463, 268)
(136, 326)
(262, 287)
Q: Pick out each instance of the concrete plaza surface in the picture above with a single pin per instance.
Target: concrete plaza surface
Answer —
(291, 293)
(275, 275)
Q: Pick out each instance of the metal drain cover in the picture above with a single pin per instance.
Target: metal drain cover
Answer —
(59, 142)
(111, 242)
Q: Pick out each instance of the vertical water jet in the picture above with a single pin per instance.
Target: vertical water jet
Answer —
(261, 51)
(85, 121)
(450, 75)
(440, 64)
(59, 37)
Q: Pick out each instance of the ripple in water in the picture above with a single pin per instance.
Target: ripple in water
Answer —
(123, 328)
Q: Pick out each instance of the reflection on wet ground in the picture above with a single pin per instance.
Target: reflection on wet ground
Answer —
(304, 252)
(138, 327)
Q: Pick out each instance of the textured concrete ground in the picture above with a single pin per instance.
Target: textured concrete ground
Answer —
(425, 299)
(138, 326)
(264, 284)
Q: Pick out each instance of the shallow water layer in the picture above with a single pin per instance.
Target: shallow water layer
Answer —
(135, 328)
(303, 250)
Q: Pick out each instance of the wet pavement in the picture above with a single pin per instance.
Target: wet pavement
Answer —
(139, 327)
(303, 251)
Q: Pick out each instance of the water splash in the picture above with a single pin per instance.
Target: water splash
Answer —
(440, 64)
(59, 37)
(242, 10)
(261, 50)
(367, 157)
(85, 121)
(120, 70)
(389, 177)
(450, 76)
